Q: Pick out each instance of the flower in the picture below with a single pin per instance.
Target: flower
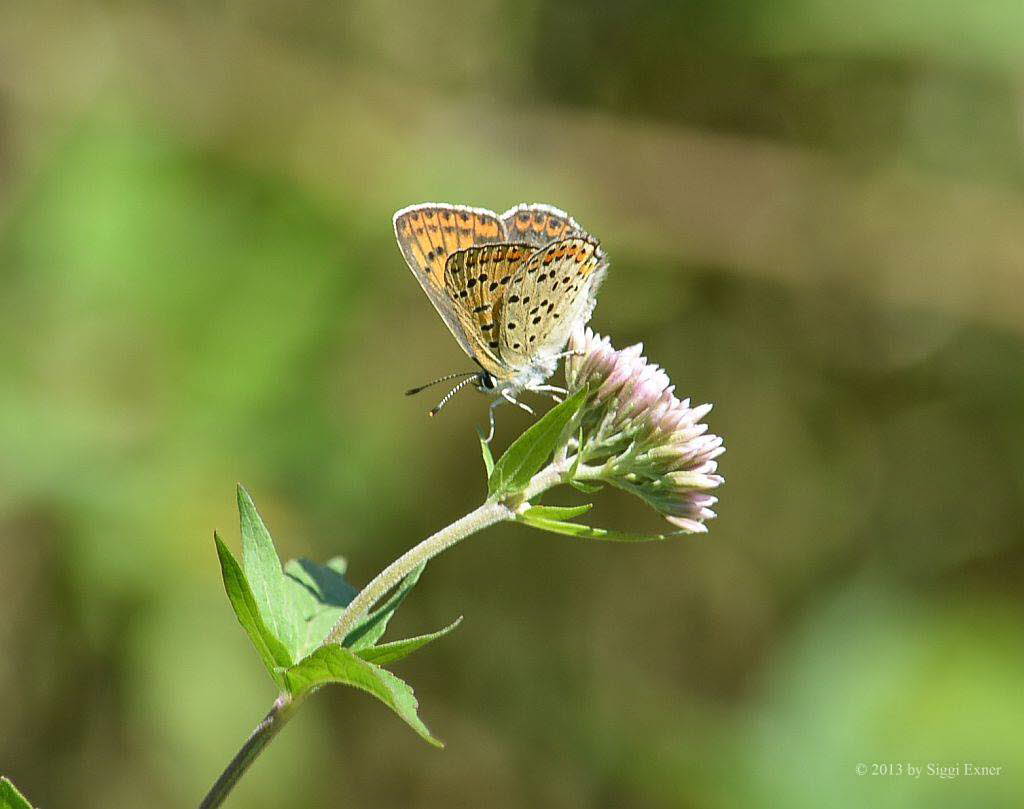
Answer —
(638, 436)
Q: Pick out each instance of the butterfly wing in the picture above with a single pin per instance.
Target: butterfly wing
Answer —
(428, 234)
(550, 294)
(538, 225)
(475, 280)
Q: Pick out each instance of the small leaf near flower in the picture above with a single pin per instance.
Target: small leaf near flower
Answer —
(556, 512)
(270, 649)
(335, 664)
(528, 453)
(575, 529)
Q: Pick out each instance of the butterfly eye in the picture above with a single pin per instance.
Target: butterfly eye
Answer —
(486, 381)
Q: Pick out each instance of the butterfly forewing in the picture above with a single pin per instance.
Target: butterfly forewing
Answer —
(428, 234)
(547, 297)
(539, 225)
(476, 279)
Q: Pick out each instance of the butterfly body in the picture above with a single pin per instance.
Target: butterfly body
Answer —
(511, 287)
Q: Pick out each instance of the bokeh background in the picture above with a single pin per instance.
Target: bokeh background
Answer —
(815, 214)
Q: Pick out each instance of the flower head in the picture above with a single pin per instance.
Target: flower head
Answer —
(638, 436)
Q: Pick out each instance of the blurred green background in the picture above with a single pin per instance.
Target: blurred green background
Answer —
(815, 215)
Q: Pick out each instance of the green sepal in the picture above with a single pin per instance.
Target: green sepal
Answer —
(270, 649)
(556, 512)
(336, 664)
(529, 452)
(579, 454)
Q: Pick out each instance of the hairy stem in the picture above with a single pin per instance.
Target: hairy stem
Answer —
(546, 478)
(483, 517)
(284, 707)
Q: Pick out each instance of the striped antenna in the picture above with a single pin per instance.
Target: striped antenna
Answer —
(437, 408)
(414, 391)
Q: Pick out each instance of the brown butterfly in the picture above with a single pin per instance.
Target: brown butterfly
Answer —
(511, 288)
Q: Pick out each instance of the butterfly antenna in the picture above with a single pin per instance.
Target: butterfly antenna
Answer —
(413, 391)
(437, 408)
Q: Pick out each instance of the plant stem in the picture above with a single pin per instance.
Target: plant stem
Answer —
(486, 515)
(284, 707)
(549, 476)
(490, 513)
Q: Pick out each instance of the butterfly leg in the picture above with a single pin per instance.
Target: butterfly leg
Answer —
(508, 398)
(556, 392)
(550, 389)
(490, 418)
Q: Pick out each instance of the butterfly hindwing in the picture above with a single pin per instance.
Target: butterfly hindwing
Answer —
(550, 294)
(428, 234)
(538, 225)
(476, 280)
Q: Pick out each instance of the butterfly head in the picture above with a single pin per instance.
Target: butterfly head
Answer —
(485, 382)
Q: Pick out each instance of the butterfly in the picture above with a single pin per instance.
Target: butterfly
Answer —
(511, 288)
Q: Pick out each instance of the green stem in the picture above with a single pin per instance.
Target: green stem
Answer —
(483, 517)
(545, 479)
(284, 707)
(490, 513)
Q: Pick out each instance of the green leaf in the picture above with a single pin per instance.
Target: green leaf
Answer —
(574, 529)
(557, 512)
(586, 488)
(528, 453)
(263, 570)
(368, 631)
(335, 664)
(273, 653)
(318, 595)
(579, 454)
(10, 798)
(396, 650)
(485, 451)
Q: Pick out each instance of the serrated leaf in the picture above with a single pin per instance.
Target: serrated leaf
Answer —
(586, 488)
(485, 451)
(528, 453)
(336, 664)
(390, 652)
(263, 571)
(368, 631)
(10, 798)
(273, 653)
(318, 594)
(575, 529)
(557, 512)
